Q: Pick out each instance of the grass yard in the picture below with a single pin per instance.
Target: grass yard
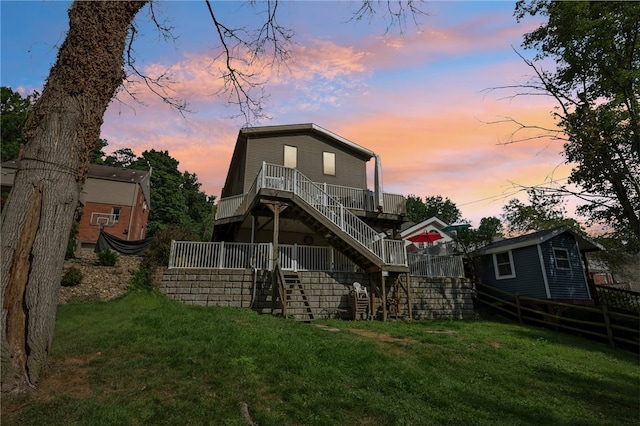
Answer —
(145, 360)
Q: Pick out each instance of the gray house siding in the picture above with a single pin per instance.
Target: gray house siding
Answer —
(528, 281)
(235, 182)
(565, 283)
(350, 167)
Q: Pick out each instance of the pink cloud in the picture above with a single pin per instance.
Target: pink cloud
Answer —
(429, 128)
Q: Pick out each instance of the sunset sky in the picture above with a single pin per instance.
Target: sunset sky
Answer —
(418, 99)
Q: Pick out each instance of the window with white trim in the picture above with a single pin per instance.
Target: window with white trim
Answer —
(329, 163)
(503, 265)
(290, 156)
(562, 258)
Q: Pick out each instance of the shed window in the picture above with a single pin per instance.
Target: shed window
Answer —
(329, 163)
(290, 156)
(562, 258)
(503, 265)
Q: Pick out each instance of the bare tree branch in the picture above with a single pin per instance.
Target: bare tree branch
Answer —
(394, 12)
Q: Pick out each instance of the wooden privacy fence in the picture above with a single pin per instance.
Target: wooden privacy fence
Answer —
(600, 322)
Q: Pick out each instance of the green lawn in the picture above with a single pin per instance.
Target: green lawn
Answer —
(145, 360)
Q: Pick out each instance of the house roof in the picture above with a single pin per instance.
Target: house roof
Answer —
(585, 244)
(303, 128)
(419, 227)
(117, 173)
(100, 172)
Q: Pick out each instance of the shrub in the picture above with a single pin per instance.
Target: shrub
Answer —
(107, 257)
(72, 277)
(157, 254)
(141, 280)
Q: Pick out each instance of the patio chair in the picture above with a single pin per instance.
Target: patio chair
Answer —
(361, 291)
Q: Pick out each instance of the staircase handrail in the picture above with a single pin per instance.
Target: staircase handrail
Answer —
(273, 176)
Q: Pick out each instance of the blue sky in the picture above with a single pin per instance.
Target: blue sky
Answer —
(418, 99)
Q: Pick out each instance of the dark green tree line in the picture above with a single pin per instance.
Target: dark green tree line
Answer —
(13, 115)
(176, 197)
(435, 205)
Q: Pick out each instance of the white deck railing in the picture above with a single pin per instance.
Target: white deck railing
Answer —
(278, 177)
(221, 255)
(201, 255)
(424, 265)
(351, 198)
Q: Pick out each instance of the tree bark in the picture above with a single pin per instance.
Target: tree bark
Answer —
(61, 131)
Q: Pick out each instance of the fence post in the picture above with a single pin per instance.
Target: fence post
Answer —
(607, 322)
(172, 254)
(294, 258)
(518, 308)
(221, 258)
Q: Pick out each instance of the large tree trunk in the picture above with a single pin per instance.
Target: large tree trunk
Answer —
(64, 125)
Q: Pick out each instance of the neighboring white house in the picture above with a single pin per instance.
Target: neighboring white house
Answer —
(442, 243)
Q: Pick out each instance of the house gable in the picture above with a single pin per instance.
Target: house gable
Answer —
(312, 144)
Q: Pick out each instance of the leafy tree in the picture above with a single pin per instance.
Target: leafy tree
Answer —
(442, 208)
(13, 114)
(416, 209)
(489, 230)
(596, 49)
(544, 211)
(97, 153)
(124, 158)
(200, 207)
(60, 134)
(176, 198)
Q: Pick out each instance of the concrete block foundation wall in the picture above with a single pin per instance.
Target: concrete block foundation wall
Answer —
(323, 294)
(439, 298)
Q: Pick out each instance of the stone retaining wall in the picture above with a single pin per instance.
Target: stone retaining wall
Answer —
(322, 294)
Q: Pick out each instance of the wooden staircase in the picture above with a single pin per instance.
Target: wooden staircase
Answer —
(298, 305)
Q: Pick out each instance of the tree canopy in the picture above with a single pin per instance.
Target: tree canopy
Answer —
(596, 82)
(176, 197)
(543, 211)
(13, 114)
(435, 205)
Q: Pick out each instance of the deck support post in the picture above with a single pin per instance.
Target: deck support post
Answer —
(407, 290)
(276, 207)
(384, 296)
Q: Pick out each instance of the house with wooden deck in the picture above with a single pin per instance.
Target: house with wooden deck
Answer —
(297, 219)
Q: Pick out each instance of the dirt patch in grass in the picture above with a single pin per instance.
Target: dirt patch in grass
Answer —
(381, 337)
(68, 377)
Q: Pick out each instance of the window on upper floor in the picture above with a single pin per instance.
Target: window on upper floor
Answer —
(290, 156)
(329, 163)
(115, 212)
(503, 265)
(562, 258)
